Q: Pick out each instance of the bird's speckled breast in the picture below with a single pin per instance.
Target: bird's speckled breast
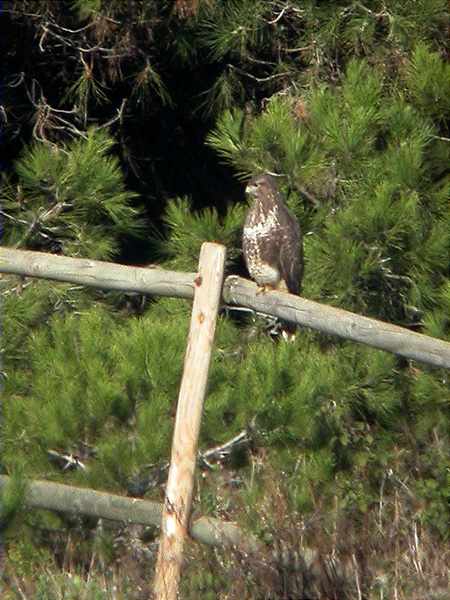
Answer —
(259, 227)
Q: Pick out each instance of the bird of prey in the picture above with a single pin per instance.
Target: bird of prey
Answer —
(272, 241)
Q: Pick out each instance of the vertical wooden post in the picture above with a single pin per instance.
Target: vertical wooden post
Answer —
(177, 507)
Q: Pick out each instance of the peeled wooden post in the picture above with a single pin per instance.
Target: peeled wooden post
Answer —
(180, 484)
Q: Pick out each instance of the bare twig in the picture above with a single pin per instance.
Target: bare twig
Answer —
(16, 82)
(66, 461)
(440, 137)
(118, 117)
(279, 16)
(300, 49)
(258, 79)
(46, 31)
(382, 13)
(358, 586)
(42, 217)
(71, 31)
(223, 451)
(258, 61)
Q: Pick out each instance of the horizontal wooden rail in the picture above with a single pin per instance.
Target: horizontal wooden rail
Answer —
(79, 501)
(337, 321)
(307, 564)
(97, 274)
(236, 291)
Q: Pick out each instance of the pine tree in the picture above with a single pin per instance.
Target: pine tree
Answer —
(67, 199)
(363, 170)
(70, 199)
(348, 101)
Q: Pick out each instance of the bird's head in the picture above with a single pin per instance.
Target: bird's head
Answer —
(260, 184)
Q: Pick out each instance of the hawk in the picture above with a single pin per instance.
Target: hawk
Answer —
(272, 242)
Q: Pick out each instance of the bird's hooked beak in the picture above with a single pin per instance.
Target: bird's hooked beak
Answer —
(251, 189)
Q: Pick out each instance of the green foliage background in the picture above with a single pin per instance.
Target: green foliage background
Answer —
(349, 102)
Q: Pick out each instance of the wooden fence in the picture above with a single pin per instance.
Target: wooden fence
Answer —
(236, 292)
(101, 505)
(208, 290)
